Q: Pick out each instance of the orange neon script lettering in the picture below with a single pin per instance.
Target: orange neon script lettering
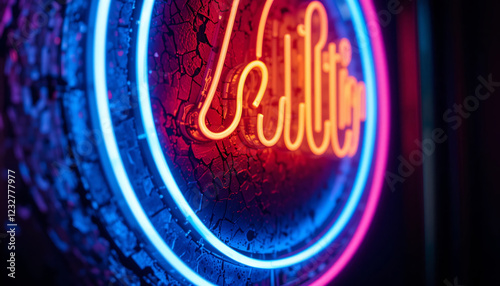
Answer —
(321, 63)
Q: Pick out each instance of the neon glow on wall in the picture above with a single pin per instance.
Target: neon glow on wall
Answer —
(355, 126)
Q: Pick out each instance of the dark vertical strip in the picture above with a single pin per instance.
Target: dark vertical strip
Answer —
(427, 87)
(411, 132)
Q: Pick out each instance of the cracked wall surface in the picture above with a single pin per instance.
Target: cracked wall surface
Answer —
(256, 200)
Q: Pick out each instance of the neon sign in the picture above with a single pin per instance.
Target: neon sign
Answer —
(320, 64)
(323, 68)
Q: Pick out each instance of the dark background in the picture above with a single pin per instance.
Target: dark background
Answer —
(441, 225)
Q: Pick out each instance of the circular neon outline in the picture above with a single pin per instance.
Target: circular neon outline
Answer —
(130, 197)
(172, 187)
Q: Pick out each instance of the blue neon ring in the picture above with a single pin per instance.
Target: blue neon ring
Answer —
(172, 187)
